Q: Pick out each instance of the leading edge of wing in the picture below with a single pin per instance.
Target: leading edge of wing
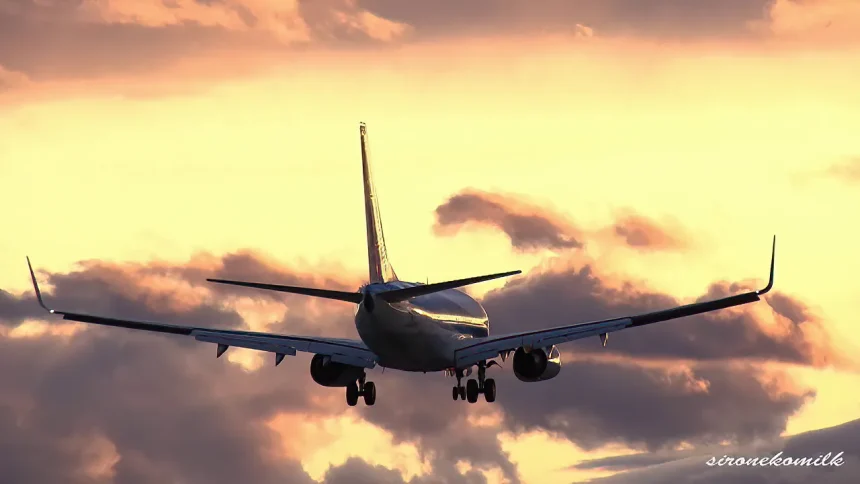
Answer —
(473, 351)
(342, 350)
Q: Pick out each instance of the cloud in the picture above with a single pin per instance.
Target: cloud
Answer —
(836, 22)
(703, 379)
(139, 407)
(123, 393)
(531, 227)
(563, 294)
(651, 18)
(418, 408)
(700, 380)
(10, 80)
(841, 438)
(849, 170)
(357, 471)
(641, 233)
(147, 408)
(596, 401)
(122, 39)
(634, 461)
(527, 226)
(62, 40)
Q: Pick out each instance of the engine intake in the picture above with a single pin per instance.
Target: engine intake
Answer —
(538, 364)
(332, 374)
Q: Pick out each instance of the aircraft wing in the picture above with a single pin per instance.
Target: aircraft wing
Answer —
(475, 350)
(346, 351)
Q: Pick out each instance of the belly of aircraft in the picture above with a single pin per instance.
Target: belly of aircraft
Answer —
(403, 341)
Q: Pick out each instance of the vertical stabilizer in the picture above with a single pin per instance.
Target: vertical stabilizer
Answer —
(377, 257)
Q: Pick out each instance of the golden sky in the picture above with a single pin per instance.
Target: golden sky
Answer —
(152, 133)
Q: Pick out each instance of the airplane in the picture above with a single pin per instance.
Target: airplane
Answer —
(413, 327)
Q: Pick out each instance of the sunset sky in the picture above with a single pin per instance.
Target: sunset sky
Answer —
(626, 155)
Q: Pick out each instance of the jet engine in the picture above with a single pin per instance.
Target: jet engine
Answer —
(332, 374)
(538, 364)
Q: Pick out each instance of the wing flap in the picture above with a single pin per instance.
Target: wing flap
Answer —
(284, 345)
(249, 342)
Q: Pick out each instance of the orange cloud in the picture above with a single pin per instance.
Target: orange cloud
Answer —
(641, 233)
(848, 170)
(832, 21)
(532, 227)
(528, 226)
(10, 80)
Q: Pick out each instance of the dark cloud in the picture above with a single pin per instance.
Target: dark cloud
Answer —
(357, 471)
(172, 413)
(558, 297)
(841, 438)
(171, 410)
(642, 233)
(790, 308)
(62, 48)
(138, 391)
(652, 18)
(75, 40)
(81, 40)
(633, 461)
(435, 422)
(593, 402)
(704, 385)
(247, 265)
(527, 226)
(531, 227)
(14, 310)
(10, 80)
(166, 406)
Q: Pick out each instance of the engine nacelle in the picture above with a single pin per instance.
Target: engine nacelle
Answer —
(332, 374)
(537, 365)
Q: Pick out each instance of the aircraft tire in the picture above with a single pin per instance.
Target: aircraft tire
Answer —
(472, 390)
(490, 390)
(369, 393)
(456, 394)
(352, 394)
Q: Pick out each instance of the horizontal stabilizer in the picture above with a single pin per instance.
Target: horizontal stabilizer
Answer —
(353, 297)
(398, 295)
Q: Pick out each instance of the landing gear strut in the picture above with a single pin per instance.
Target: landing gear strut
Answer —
(459, 390)
(473, 388)
(361, 388)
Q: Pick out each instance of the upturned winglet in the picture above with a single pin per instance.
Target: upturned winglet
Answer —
(772, 267)
(36, 287)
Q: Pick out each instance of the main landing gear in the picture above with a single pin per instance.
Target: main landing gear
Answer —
(473, 387)
(361, 388)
